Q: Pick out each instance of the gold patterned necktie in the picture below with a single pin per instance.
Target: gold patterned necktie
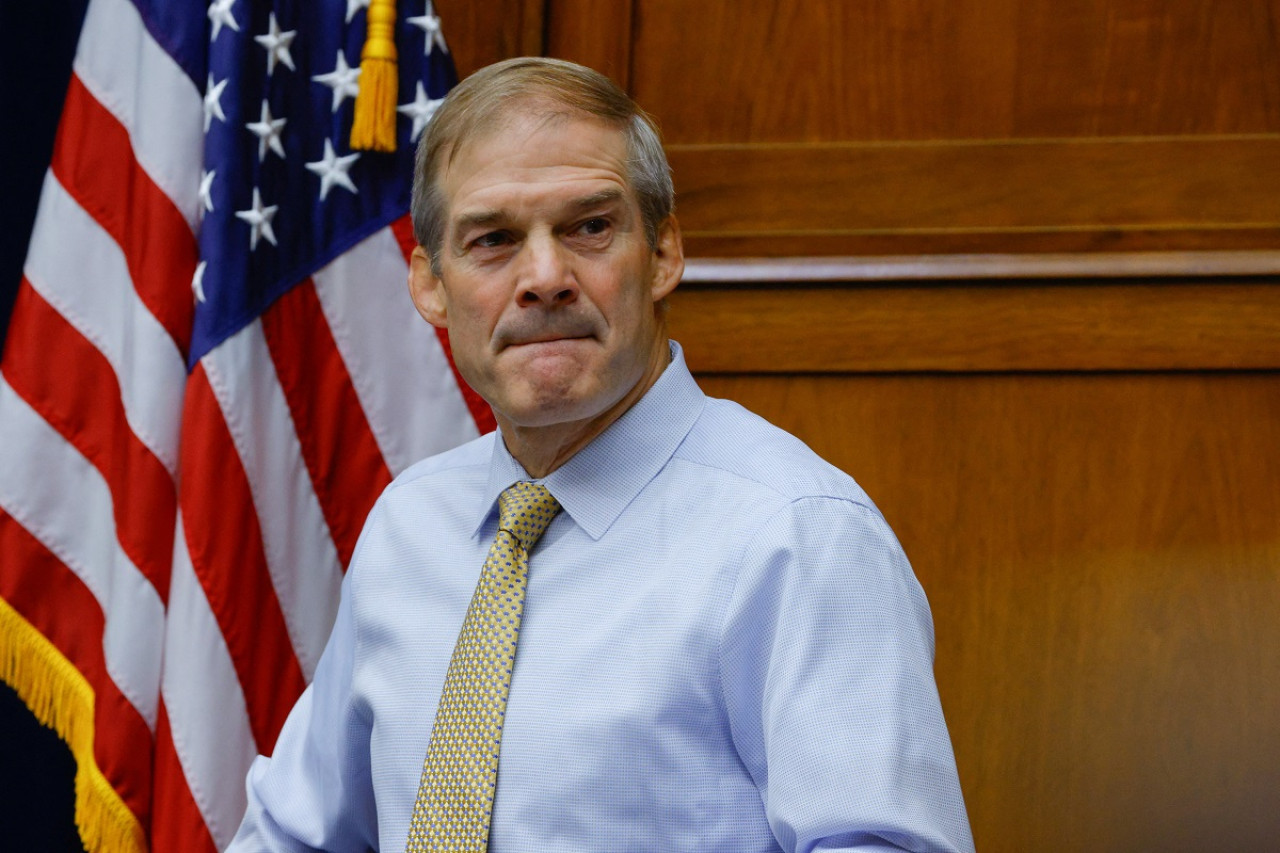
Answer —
(460, 774)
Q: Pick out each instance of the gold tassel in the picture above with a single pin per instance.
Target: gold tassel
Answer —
(60, 698)
(374, 125)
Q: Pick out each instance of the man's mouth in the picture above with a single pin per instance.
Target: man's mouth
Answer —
(548, 343)
(545, 334)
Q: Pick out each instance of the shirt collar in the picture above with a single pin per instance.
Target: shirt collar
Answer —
(601, 479)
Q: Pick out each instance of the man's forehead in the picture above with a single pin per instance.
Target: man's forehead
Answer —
(581, 150)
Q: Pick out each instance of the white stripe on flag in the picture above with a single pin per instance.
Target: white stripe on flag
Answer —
(301, 556)
(395, 360)
(62, 500)
(205, 704)
(150, 94)
(92, 289)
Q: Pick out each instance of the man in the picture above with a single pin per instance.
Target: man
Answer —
(721, 646)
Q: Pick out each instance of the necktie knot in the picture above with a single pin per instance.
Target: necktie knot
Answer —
(524, 510)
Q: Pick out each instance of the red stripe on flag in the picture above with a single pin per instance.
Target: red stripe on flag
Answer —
(94, 160)
(86, 409)
(178, 824)
(58, 604)
(347, 469)
(225, 542)
(480, 411)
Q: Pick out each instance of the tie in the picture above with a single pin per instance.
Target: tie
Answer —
(455, 796)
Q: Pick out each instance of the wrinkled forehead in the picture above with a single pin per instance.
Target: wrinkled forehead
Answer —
(537, 162)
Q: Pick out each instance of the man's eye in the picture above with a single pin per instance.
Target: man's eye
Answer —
(491, 240)
(598, 225)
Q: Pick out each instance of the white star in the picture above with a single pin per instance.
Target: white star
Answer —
(421, 109)
(277, 45)
(430, 26)
(268, 129)
(197, 281)
(220, 13)
(213, 102)
(259, 219)
(342, 79)
(353, 6)
(333, 170)
(206, 191)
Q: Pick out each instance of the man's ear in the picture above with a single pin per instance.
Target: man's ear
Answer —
(427, 290)
(668, 258)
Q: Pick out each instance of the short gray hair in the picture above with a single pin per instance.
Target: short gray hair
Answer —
(490, 93)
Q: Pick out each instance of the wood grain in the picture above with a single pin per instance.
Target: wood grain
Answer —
(825, 127)
(1078, 265)
(479, 34)
(597, 35)
(1029, 244)
(1102, 557)
(769, 71)
(965, 328)
(847, 193)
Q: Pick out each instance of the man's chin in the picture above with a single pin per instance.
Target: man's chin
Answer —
(551, 404)
(550, 373)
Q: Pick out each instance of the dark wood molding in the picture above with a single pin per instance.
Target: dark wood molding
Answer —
(980, 196)
(967, 328)
(1084, 265)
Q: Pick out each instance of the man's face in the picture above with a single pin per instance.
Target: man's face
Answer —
(547, 284)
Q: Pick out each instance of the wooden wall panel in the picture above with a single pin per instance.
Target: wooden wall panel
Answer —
(479, 34)
(775, 71)
(841, 199)
(952, 327)
(596, 34)
(827, 127)
(1102, 557)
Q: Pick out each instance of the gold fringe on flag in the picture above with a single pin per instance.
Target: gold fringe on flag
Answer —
(374, 125)
(60, 698)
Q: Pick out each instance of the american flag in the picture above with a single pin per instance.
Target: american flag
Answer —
(211, 371)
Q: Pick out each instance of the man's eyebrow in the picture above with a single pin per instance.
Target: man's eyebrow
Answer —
(596, 199)
(480, 219)
(490, 218)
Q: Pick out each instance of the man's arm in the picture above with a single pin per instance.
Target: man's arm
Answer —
(828, 676)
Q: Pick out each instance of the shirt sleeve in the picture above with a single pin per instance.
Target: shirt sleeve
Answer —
(315, 792)
(827, 667)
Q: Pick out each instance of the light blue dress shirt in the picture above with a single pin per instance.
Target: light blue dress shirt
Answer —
(723, 649)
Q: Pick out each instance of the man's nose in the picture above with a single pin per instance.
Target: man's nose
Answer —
(546, 276)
